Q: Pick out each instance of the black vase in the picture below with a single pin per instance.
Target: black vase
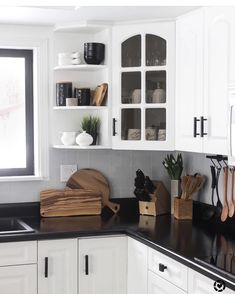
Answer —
(94, 53)
(95, 137)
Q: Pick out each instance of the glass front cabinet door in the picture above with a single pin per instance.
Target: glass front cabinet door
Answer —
(143, 86)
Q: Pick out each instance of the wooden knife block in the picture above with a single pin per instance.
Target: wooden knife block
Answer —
(160, 201)
(183, 209)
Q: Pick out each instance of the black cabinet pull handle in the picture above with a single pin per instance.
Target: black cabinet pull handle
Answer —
(114, 127)
(86, 265)
(162, 267)
(195, 133)
(202, 119)
(46, 267)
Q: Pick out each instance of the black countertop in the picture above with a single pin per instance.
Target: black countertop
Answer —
(181, 240)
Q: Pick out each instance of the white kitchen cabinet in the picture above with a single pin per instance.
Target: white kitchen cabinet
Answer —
(189, 81)
(200, 284)
(204, 72)
(157, 285)
(137, 267)
(143, 86)
(21, 279)
(102, 265)
(57, 266)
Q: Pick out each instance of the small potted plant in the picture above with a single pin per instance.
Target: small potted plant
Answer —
(174, 167)
(91, 125)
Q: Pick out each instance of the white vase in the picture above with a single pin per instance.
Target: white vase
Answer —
(175, 192)
(84, 139)
(68, 138)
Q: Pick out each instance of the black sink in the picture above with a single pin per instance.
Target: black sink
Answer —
(13, 226)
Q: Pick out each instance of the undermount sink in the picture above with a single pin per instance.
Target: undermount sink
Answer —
(13, 226)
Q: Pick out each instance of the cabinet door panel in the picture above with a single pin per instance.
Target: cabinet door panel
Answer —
(62, 266)
(199, 284)
(18, 279)
(157, 285)
(107, 268)
(189, 80)
(219, 33)
(137, 267)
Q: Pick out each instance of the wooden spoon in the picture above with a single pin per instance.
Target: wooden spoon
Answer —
(232, 204)
(224, 213)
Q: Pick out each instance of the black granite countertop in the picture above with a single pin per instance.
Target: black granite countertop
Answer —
(181, 240)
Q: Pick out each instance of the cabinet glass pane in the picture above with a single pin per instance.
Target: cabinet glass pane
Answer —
(131, 124)
(155, 124)
(155, 47)
(131, 52)
(155, 86)
(131, 87)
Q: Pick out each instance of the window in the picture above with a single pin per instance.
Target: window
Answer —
(16, 113)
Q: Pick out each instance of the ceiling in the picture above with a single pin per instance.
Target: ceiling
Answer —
(52, 15)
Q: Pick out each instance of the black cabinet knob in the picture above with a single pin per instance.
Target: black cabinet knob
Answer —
(162, 267)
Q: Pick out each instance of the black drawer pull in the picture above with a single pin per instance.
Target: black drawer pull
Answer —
(202, 119)
(162, 267)
(86, 265)
(114, 126)
(46, 267)
(195, 133)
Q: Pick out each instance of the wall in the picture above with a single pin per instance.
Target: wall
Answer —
(118, 166)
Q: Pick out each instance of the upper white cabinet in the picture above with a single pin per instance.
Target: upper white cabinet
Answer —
(102, 265)
(57, 266)
(137, 267)
(205, 55)
(143, 86)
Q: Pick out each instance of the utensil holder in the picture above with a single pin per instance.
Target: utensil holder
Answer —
(160, 201)
(183, 209)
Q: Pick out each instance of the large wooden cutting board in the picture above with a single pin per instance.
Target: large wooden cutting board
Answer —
(93, 180)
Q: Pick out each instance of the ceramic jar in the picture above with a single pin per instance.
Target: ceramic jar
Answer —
(68, 138)
(84, 139)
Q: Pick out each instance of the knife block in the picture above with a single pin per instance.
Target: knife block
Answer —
(160, 201)
(183, 209)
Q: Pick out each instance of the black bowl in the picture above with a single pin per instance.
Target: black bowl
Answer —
(94, 53)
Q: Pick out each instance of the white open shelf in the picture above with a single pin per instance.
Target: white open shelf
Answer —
(82, 27)
(81, 67)
(77, 147)
(80, 107)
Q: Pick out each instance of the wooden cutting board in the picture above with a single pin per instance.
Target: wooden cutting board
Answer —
(69, 202)
(93, 180)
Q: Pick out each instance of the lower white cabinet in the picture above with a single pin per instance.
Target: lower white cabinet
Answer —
(200, 284)
(157, 285)
(57, 266)
(102, 265)
(20, 279)
(137, 267)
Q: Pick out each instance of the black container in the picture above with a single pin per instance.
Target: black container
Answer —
(83, 95)
(63, 91)
(94, 53)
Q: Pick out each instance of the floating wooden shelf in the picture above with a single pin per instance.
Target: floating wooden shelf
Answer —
(81, 67)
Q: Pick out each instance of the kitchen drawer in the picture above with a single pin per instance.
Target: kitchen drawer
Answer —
(175, 272)
(157, 285)
(14, 253)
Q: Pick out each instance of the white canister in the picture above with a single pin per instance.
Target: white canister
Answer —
(68, 138)
(84, 139)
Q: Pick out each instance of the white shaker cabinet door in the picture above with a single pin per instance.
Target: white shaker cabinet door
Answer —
(200, 284)
(219, 39)
(57, 266)
(20, 279)
(137, 273)
(189, 81)
(157, 285)
(102, 265)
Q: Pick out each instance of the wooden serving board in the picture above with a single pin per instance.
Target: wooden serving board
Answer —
(93, 180)
(69, 202)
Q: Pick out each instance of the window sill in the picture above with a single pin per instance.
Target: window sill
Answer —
(22, 179)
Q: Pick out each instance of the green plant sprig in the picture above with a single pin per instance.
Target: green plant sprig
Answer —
(173, 166)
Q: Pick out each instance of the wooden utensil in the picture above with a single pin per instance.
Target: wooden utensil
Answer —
(232, 204)
(93, 180)
(224, 213)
